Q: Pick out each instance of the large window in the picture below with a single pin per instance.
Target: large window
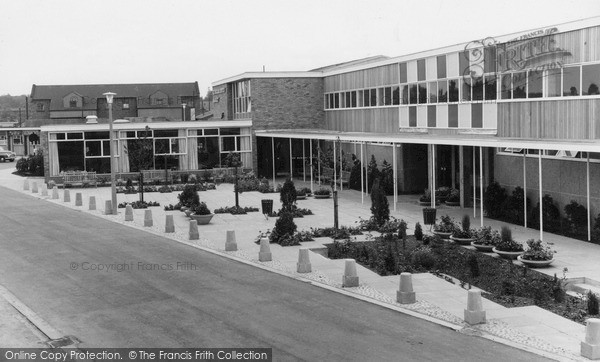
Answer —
(241, 99)
(571, 77)
(590, 79)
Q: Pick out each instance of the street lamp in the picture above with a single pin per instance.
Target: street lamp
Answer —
(183, 105)
(109, 100)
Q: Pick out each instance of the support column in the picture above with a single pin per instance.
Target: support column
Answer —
(291, 162)
(429, 168)
(273, 154)
(433, 175)
(461, 174)
(311, 166)
(481, 184)
(303, 160)
(319, 161)
(453, 165)
(334, 167)
(362, 175)
(395, 173)
(341, 166)
(367, 191)
(541, 203)
(525, 187)
(474, 186)
(589, 220)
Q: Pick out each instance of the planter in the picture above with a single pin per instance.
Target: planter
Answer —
(443, 235)
(535, 263)
(303, 197)
(202, 219)
(483, 247)
(462, 241)
(267, 206)
(322, 196)
(452, 203)
(429, 215)
(508, 254)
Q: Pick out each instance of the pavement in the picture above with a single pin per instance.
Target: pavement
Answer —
(529, 328)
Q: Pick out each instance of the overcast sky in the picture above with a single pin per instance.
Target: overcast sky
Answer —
(151, 41)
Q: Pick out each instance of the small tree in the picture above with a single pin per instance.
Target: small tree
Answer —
(288, 195)
(233, 160)
(141, 156)
(387, 178)
(189, 196)
(284, 227)
(380, 207)
(373, 172)
(354, 182)
(494, 197)
(418, 232)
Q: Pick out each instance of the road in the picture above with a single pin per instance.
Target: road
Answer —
(222, 303)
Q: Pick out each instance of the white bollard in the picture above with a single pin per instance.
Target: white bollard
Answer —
(26, 185)
(78, 199)
(406, 295)
(44, 190)
(107, 207)
(92, 203)
(128, 212)
(303, 265)
(34, 188)
(148, 221)
(474, 314)
(230, 243)
(265, 250)
(350, 279)
(193, 233)
(67, 196)
(55, 193)
(590, 348)
(169, 224)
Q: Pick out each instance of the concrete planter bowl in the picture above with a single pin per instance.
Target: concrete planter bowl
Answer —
(462, 241)
(322, 196)
(535, 263)
(443, 235)
(202, 219)
(512, 255)
(483, 247)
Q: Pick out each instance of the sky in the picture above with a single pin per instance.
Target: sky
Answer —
(152, 41)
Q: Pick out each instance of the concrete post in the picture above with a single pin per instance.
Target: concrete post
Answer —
(406, 295)
(92, 205)
(303, 265)
(169, 224)
(265, 250)
(44, 190)
(128, 212)
(590, 348)
(148, 221)
(107, 207)
(26, 185)
(474, 314)
(193, 232)
(350, 279)
(230, 243)
(55, 193)
(67, 196)
(34, 188)
(78, 199)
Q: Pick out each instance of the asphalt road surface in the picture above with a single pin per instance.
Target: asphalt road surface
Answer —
(210, 301)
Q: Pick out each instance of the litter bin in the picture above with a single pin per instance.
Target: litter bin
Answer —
(429, 215)
(267, 206)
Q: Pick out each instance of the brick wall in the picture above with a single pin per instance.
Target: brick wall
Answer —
(118, 110)
(35, 114)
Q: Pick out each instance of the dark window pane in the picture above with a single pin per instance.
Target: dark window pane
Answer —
(96, 136)
(230, 131)
(463, 62)
(590, 76)
(506, 86)
(404, 93)
(366, 98)
(106, 148)
(453, 90)
(519, 84)
(489, 59)
(336, 100)
(165, 133)
(413, 93)
(129, 134)
(211, 131)
(466, 88)
(553, 83)
(93, 148)
(74, 136)
(412, 116)
(161, 146)
(395, 95)
(387, 96)
(422, 93)
(348, 100)
(403, 77)
(442, 91)
(98, 165)
(441, 66)
(476, 115)
(71, 156)
(477, 89)
(353, 99)
(60, 136)
(421, 69)
(452, 115)
(432, 92)
(571, 81)
(431, 116)
(373, 97)
(490, 87)
(534, 87)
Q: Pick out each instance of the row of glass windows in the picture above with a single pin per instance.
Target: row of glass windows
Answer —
(241, 99)
(575, 155)
(567, 81)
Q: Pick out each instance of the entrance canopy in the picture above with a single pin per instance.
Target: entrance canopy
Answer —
(477, 139)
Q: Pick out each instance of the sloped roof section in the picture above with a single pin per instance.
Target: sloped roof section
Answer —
(55, 93)
(351, 63)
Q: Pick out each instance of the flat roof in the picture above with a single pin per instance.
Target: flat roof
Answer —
(461, 139)
(137, 125)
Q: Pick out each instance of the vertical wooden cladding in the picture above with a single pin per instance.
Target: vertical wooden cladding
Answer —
(378, 120)
(561, 119)
(591, 44)
(373, 77)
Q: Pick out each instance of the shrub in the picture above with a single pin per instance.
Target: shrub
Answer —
(323, 191)
(577, 218)
(538, 250)
(426, 197)
(513, 206)
(423, 257)
(373, 172)
(22, 166)
(380, 208)
(465, 232)
(418, 232)
(235, 210)
(506, 242)
(550, 214)
(387, 178)
(200, 209)
(284, 226)
(495, 196)
(592, 303)
(446, 225)
(189, 196)
(354, 183)
(487, 236)
(453, 195)
(184, 178)
(473, 265)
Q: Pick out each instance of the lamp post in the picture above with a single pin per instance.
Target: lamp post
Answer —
(109, 100)
(183, 105)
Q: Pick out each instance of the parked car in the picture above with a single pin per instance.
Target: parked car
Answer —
(6, 155)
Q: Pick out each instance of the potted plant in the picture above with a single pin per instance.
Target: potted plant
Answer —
(306, 190)
(507, 248)
(300, 194)
(425, 199)
(322, 193)
(445, 227)
(538, 254)
(486, 239)
(464, 235)
(201, 213)
(442, 193)
(453, 198)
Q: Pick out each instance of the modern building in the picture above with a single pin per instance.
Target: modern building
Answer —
(522, 109)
